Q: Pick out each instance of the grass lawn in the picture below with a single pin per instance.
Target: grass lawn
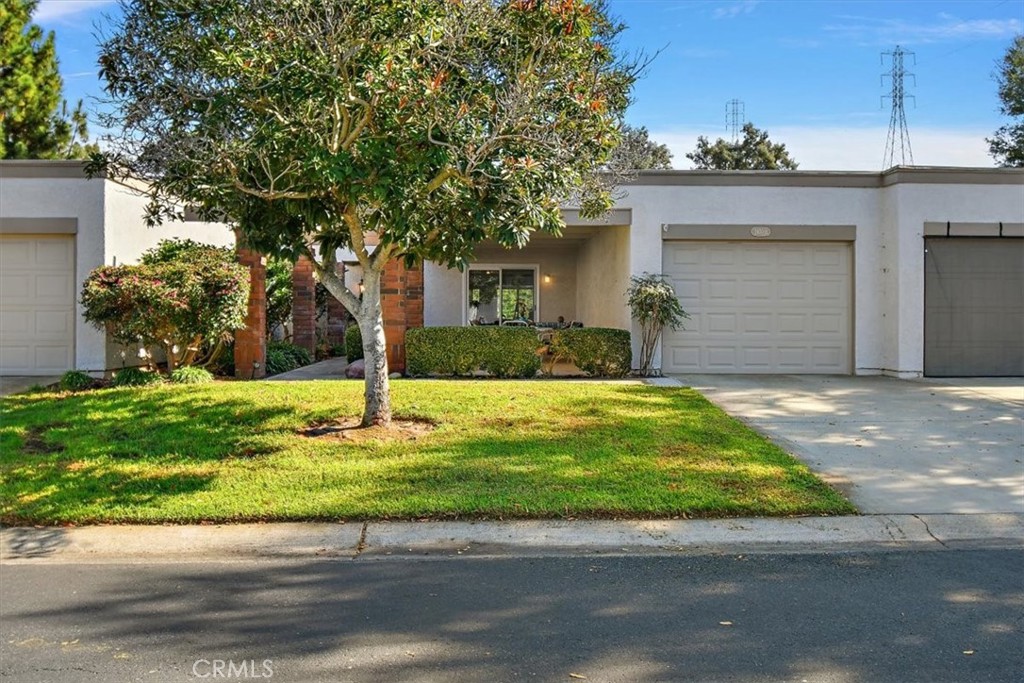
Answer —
(233, 451)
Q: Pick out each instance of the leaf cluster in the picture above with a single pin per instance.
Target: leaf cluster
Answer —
(754, 152)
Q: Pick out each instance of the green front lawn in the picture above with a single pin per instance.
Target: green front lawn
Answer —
(233, 451)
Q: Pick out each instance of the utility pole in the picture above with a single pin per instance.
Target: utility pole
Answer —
(897, 142)
(734, 118)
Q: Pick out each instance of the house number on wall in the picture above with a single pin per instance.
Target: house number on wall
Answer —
(760, 231)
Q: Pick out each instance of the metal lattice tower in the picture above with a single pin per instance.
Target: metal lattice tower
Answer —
(734, 118)
(897, 142)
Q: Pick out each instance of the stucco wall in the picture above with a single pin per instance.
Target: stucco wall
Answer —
(602, 277)
(127, 233)
(81, 199)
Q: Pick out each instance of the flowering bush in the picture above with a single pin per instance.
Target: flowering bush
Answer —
(184, 297)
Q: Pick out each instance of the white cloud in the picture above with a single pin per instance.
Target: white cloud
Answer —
(50, 10)
(850, 149)
(873, 31)
(735, 9)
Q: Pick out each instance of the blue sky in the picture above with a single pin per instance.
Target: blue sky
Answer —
(807, 71)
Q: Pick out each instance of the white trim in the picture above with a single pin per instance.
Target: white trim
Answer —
(535, 267)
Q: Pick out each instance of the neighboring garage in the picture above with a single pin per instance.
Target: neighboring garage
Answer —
(974, 302)
(37, 304)
(761, 305)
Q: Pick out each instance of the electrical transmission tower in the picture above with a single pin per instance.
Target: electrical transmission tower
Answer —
(897, 142)
(734, 118)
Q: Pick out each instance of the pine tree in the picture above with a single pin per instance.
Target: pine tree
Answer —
(35, 121)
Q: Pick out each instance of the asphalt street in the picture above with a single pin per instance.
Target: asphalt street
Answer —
(852, 617)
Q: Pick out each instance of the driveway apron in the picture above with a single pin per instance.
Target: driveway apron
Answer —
(893, 446)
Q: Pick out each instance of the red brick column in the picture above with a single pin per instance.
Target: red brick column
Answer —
(304, 305)
(337, 314)
(401, 294)
(251, 341)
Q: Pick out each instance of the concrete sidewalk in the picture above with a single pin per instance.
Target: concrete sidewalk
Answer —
(521, 538)
(332, 368)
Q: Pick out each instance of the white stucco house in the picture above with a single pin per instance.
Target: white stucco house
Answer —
(908, 272)
(55, 227)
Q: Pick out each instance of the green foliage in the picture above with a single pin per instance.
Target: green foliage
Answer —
(284, 357)
(1007, 145)
(279, 292)
(76, 380)
(655, 306)
(637, 151)
(184, 296)
(34, 120)
(135, 377)
(755, 152)
(353, 343)
(598, 351)
(455, 351)
(191, 375)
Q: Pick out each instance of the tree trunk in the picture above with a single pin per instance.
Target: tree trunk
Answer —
(375, 356)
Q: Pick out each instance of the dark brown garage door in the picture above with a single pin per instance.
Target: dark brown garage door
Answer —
(974, 307)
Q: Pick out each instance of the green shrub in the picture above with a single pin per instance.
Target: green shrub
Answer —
(598, 351)
(299, 355)
(135, 377)
(191, 375)
(353, 343)
(76, 380)
(447, 351)
(185, 297)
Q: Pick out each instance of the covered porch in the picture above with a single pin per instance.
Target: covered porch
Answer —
(577, 279)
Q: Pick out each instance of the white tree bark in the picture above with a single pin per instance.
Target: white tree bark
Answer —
(369, 316)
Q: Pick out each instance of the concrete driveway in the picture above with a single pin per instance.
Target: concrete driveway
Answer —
(15, 385)
(893, 446)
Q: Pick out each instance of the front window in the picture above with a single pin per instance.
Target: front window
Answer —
(501, 295)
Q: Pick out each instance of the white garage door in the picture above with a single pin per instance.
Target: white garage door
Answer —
(760, 307)
(37, 304)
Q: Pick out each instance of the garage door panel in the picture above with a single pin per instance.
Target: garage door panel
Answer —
(37, 304)
(974, 307)
(780, 307)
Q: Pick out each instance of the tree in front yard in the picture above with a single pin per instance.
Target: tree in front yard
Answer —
(185, 298)
(313, 123)
(654, 305)
(754, 152)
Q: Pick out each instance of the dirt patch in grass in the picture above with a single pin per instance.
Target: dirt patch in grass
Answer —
(348, 429)
(36, 444)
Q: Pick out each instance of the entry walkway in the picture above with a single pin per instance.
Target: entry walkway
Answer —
(894, 446)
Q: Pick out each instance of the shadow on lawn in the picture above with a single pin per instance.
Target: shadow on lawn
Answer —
(119, 449)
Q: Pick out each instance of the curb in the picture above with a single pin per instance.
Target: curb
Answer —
(517, 538)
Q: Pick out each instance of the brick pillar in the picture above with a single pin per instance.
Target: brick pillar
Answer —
(251, 341)
(304, 305)
(337, 314)
(401, 294)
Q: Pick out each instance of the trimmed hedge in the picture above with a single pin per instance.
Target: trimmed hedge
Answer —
(598, 351)
(353, 343)
(448, 351)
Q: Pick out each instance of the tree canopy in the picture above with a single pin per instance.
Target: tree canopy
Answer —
(1007, 145)
(35, 121)
(638, 151)
(312, 123)
(754, 152)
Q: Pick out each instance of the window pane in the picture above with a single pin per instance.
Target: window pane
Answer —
(517, 295)
(483, 296)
